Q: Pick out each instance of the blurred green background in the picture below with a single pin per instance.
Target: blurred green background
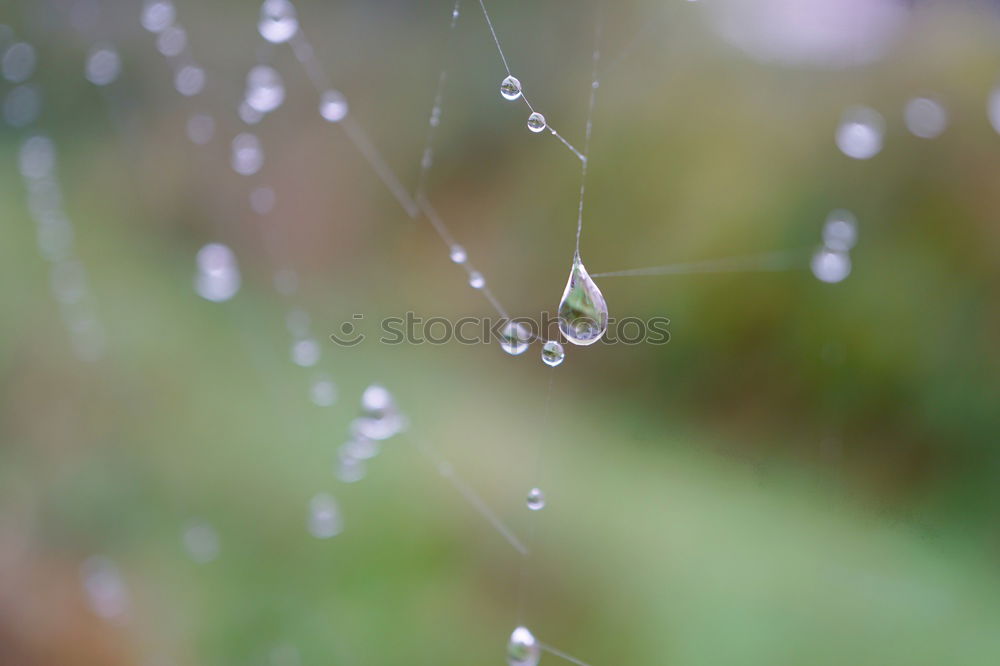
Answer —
(806, 474)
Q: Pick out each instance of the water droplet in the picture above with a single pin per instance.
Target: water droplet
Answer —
(37, 157)
(248, 114)
(265, 91)
(457, 254)
(376, 401)
(247, 157)
(278, 22)
(200, 128)
(103, 65)
(324, 517)
(349, 469)
(201, 542)
(840, 232)
(993, 108)
(583, 313)
(510, 89)
(515, 338)
(323, 392)
(190, 80)
(157, 15)
(860, 133)
(105, 587)
(333, 106)
(925, 117)
(536, 122)
(21, 106)
(476, 280)
(553, 353)
(218, 277)
(171, 41)
(523, 649)
(305, 353)
(360, 447)
(831, 266)
(18, 62)
(381, 418)
(536, 499)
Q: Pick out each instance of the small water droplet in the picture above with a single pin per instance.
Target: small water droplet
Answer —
(305, 353)
(522, 648)
(190, 80)
(514, 338)
(247, 155)
(171, 41)
(278, 21)
(510, 89)
(553, 353)
(476, 280)
(860, 133)
(324, 517)
(925, 117)
(349, 469)
(360, 447)
(103, 65)
(333, 106)
(18, 62)
(536, 122)
(831, 266)
(536, 499)
(106, 591)
(265, 90)
(583, 313)
(457, 254)
(218, 277)
(840, 231)
(157, 15)
(323, 392)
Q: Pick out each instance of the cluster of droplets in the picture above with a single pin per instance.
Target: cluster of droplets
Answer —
(55, 238)
(217, 278)
(22, 103)
(380, 419)
(832, 261)
(510, 90)
(265, 92)
(160, 18)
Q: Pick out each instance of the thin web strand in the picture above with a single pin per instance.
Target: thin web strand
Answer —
(496, 40)
(447, 470)
(506, 66)
(771, 261)
(427, 157)
(562, 655)
(594, 85)
(363, 143)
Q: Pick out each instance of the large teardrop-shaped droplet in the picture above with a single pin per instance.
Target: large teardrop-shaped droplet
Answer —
(583, 314)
